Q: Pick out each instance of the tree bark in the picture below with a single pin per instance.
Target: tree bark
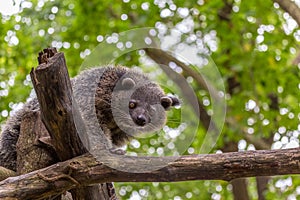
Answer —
(31, 153)
(5, 173)
(85, 170)
(239, 189)
(54, 92)
(262, 186)
(239, 185)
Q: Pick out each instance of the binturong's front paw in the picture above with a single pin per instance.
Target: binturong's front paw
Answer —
(117, 151)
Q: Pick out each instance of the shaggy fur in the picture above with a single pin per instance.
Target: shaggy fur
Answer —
(112, 89)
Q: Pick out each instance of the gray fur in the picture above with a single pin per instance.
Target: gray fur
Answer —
(10, 135)
(115, 88)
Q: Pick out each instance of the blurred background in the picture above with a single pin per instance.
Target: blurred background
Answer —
(254, 46)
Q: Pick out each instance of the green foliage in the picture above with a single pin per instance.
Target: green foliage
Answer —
(250, 43)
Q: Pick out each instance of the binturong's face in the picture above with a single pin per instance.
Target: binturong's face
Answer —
(139, 105)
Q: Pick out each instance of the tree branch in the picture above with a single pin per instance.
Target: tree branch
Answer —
(85, 170)
(163, 59)
(5, 173)
(54, 92)
(239, 189)
(291, 8)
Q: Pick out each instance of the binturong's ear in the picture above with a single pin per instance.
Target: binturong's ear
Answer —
(168, 101)
(128, 83)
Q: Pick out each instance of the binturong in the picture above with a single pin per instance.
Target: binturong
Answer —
(126, 104)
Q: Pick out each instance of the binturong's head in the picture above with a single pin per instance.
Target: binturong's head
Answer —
(139, 105)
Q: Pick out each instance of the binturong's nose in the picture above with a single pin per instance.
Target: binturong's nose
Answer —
(141, 120)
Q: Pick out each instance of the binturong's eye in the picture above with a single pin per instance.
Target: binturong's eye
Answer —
(132, 104)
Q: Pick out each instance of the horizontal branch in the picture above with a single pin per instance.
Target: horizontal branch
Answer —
(85, 170)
